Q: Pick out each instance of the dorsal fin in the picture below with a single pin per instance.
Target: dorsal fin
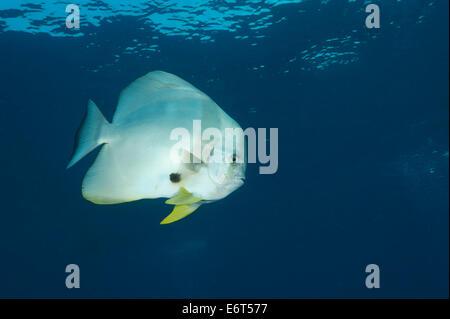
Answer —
(150, 89)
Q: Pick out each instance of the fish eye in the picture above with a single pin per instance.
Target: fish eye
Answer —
(234, 158)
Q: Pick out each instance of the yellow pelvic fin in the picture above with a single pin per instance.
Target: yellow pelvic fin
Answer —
(183, 198)
(179, 212)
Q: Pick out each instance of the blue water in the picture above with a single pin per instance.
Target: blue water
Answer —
(363, 149)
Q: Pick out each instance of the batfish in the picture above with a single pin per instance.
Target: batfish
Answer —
(137, 161)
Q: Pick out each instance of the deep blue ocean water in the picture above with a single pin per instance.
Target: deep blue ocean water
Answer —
(363, 128)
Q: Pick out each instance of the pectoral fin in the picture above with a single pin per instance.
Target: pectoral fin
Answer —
(183, 198)
(179, 212)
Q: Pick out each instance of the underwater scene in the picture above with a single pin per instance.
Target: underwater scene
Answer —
(334, 184)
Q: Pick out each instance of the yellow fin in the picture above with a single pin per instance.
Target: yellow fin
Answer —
(179, 212)
(183, 198)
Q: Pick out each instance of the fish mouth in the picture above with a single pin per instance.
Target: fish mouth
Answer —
(242, 179)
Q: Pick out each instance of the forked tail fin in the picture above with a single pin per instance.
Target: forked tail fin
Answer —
(93, 131)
